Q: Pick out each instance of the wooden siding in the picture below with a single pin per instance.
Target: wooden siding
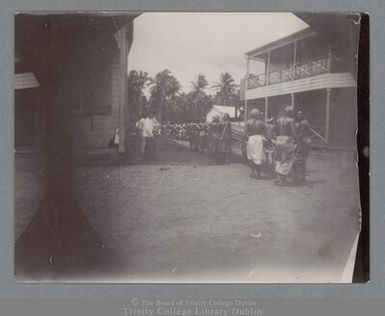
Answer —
(328, 80)
(95, 131)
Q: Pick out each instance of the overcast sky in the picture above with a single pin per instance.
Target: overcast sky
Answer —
(189, 44)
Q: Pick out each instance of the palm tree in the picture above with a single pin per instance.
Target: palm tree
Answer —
(136, 82)
(226, 89)
(197, 93)
(200, 84)
(200, 101)
(165, 87)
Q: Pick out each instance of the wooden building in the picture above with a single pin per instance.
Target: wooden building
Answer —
(80, 64)
(70, 96)
(312, 71)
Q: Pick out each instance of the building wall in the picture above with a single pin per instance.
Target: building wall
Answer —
(281, 58)
(313, 106)
(343, 117)
(311, 48)
(343, 113)
(277, 104)
(28, 118)
(95, 131)
(255, 104)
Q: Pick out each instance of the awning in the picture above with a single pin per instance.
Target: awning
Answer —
(25, 81)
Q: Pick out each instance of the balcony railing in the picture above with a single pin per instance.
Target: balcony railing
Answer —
(294, 72)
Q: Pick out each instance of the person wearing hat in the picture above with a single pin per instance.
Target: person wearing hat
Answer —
(255, 132)
(284, 146)
(303, 146)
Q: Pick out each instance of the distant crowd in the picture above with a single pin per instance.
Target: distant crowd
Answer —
(214, 137)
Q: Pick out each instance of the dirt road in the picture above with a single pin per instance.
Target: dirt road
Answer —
(185, 219)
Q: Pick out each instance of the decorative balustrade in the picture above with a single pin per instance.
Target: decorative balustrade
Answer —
(297, 71)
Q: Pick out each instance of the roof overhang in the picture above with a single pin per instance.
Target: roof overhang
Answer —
(25, 81)
(324, 81)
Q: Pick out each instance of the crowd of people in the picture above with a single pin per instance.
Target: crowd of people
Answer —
(215, 137)
(283, 144)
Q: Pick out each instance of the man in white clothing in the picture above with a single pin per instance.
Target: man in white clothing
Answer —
(149, 126)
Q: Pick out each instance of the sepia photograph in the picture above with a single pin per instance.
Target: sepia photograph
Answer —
(190, 147)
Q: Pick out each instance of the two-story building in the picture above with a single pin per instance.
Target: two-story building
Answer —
(312, 73)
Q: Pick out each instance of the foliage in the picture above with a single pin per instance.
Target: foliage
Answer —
(136, 82)
(171, 104)
(164, 89)
(199, 100)
(226, 90)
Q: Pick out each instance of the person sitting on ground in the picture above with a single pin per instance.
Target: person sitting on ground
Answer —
(255, 132)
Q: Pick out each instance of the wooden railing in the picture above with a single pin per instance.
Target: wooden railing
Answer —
(296, 71)
(318, 134)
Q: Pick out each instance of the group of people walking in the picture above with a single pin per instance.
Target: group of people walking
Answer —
(291, 138)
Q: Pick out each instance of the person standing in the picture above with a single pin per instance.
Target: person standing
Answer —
(148, 125)
(226, 138)
(214, 135)
(115, 140)
(203, 137)
(284, 146)
(303, 146)
(255, 132)
(139, 135)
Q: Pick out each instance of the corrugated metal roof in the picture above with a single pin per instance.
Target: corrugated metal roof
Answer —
(25, 81)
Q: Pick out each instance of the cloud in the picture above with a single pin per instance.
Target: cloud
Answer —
(189, 44)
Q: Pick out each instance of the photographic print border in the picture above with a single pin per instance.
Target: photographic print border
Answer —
(375, 288)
